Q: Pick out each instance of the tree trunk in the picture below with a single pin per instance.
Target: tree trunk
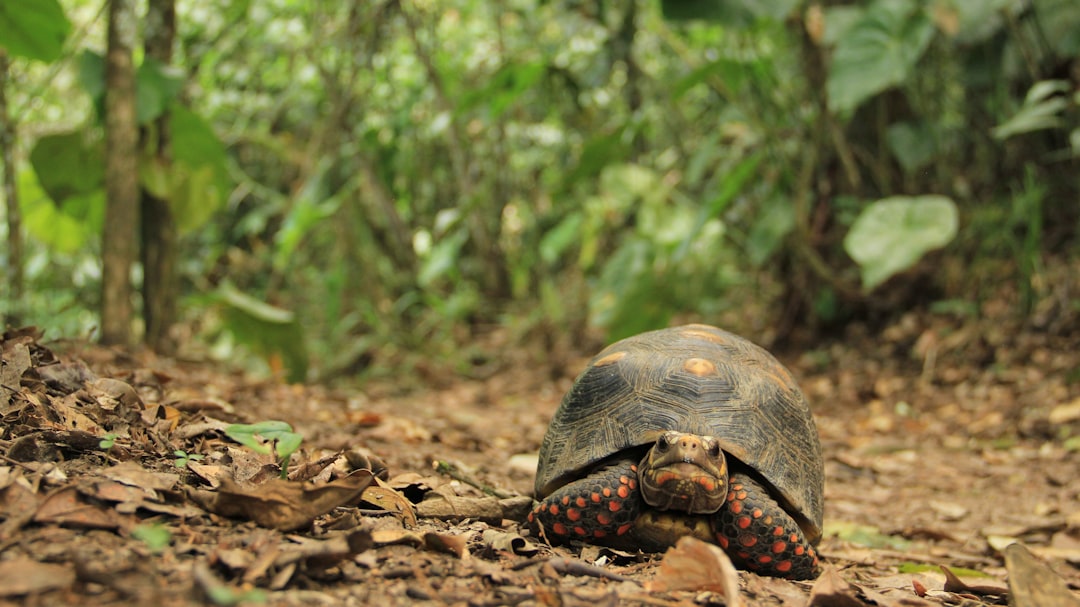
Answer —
(159, 237)
(118, 248)
(15, 310)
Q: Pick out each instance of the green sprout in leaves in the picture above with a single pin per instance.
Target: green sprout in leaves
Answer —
(108, 441)
(156, 537)
(256, 436)
(183, 457)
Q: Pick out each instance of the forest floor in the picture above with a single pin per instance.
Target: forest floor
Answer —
(946, 439)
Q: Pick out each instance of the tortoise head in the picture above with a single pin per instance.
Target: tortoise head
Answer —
(684, 472)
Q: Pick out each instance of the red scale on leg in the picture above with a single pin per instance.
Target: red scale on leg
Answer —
(768, 540)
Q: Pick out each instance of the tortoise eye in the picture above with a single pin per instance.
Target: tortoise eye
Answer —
(714, 449)
(662, 443)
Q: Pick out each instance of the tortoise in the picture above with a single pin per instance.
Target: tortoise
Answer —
(693, 431)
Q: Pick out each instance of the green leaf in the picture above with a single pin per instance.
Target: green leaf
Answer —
(444, 257)
(1042, 109)
(200, 179)
(44, 220)
(558, 239)
(729, 12)
(255, 436)
(156, 86)
(598, 152)
(35, 29)
(156, 536)
(68, 164)
(879, 51)
(890, 235)
(775, 222)
(508, 84)
(270, 331)
(912, 144)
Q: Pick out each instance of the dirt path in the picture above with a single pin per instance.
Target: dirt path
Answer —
(945, 441)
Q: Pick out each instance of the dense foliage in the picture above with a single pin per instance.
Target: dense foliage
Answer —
(399, 176)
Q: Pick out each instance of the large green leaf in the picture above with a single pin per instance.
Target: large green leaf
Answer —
(156, 85)
(890, 235)
(68, 164)
(270, 331)
(35, 29)
(44, 220)
(200, 180)
(878, 51)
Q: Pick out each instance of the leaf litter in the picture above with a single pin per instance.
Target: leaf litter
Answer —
(952, 478)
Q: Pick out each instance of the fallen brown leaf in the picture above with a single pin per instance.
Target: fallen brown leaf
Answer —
(382, 496)
(26, 576)
(1033, 584)
(65, 506)
(830, 590)
(696, 565)
(955, 584)
(279, 504)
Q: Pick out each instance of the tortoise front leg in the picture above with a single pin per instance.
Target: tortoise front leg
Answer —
(760, 536)
(599, 508)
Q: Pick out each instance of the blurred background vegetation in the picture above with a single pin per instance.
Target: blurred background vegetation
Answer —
(367, 186)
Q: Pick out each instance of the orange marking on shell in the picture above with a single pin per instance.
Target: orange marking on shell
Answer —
(794, 538)
(799, 550)
(603, 518)
(699, 367)
(702, 332)
(610, 359)
(722, 541)
(757, 513)
(559, 528)
(599, 533)
(743, 522)
(623, 479)
(595, 497)
(606, 491)
(747, 540)
(614, 506)
(779, 547)
(632, 483)
(624, 491)
(573, 514)
(778, 531)
(735, 507)
(764, 559)
(554, 509)
(623, 529)
(565, 500)
(737, 487)
(580, 531)
(580, 501)
(783, 566)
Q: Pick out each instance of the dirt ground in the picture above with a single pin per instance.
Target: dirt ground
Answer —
(946, 439)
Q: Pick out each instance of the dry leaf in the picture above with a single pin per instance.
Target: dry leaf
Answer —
(830, 590)
(382, 496)
(279, 504)
(955, 584)
(502, 541)
(1033, 584)
(456, 545)
(66, 507)
(696, 565)
(27, 576)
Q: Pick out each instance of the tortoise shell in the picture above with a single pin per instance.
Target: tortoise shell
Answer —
(696, 379)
